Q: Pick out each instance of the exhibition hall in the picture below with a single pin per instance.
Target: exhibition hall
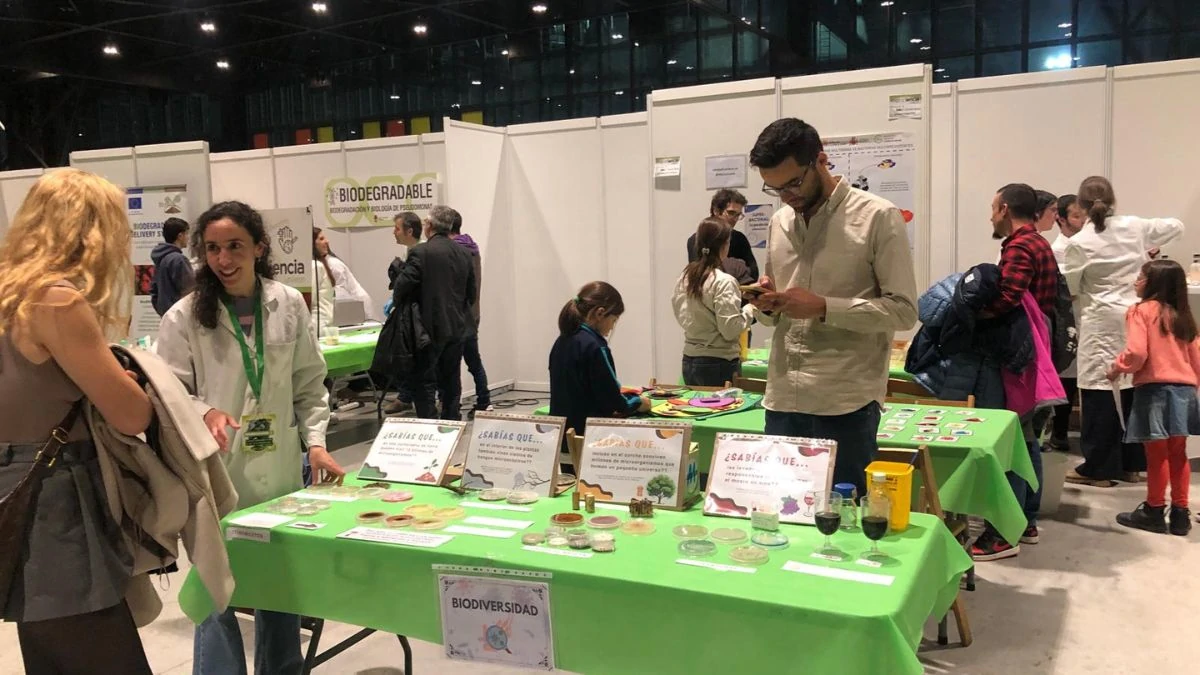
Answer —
(654, 337)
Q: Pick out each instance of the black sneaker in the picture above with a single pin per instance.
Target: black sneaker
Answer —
(1030, 535)
(1181, 522)
(1145, 517)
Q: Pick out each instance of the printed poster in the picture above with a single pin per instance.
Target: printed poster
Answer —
(412, 451)
(148, 208)
(633, 459)
(515, 452)
(882, 164)
(768, 473)
(505, 621)
(725, 171)
(290, 233)
(375, 201)
(904, 107)
(666, 167)
(757, 223)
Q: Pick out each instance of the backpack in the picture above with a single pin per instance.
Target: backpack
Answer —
(1064, 335)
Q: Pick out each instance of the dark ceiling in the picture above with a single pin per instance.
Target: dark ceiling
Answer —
(163, 46)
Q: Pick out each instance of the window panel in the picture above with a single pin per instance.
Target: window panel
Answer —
(1050, 58)
(1000, 23)
(1099, 17)
(955, 28)
(1048, 20)
(947, 70)
(1104, 53)
(1001, 63)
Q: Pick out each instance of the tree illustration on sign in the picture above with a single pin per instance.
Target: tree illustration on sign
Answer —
(661, 486)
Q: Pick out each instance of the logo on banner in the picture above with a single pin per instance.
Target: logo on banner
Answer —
(135, 203)
(287, 239)
(170, 204)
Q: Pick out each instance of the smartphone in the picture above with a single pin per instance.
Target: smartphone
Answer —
(752, 290)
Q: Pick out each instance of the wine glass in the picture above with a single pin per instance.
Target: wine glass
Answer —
(876, 508)
(828, 516)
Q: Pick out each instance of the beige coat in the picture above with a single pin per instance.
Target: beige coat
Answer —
(159, 498)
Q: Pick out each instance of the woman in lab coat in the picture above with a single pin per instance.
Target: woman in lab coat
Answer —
(242, 345)
(323, 287)
(1101, 263)
(345, 284)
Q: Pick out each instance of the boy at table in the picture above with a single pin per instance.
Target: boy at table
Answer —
(839, 283)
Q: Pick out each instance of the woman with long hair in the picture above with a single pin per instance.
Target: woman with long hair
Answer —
(1101, 263)
(323, 285)
(708, 306)
(64, 281)
(345, 284)
(242, 345)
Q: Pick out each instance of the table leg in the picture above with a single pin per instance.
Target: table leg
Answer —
(316, 626)
(408, 667)
(943, 635)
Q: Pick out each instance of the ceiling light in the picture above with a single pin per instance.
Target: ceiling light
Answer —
(320, 7)
(939, 70)
(503, 52)
(926, 48)
(618, 36)
(111, 50)
(619, 92)
(395, 97)
(455, 105)
(672, 62)
(208, 26)
(501, 87)
(539, 8)
(80, 135)
(746, 21)
(916, 41)
(690, 68)
(637, 44)
(222, 64)
(1065, 24)
(886, 3)
(420, 29)
(572, 72)
(476, 82)
(1067, 35)
(1057, 62)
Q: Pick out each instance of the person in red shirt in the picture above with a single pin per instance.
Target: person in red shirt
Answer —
(1026, 264)
(1162, 354)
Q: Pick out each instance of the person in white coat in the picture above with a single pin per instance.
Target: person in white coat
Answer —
(242, 346)
(323, 287)
(1101, 263)
(345, 284)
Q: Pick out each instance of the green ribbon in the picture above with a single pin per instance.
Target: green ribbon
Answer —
(255, 368)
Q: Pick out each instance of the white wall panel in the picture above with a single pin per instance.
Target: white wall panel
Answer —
(477, 172)
(693, 123)
(300, 175)
(625, 144)
(942, 230)
(245, 176)
(115, 164)
(178, 164)
(14, 185)
(1044, 129)
(1155, 110)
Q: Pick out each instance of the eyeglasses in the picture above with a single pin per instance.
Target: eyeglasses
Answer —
(793, 186)
(736, 215)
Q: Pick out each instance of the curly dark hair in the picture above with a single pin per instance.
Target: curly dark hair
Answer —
(209, 290)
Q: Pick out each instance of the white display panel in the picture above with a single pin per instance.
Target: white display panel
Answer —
(178, 164)
(1155, 108)
(692, 123)
(1044, 129)
(115, 164)
(942, 233)
(14, 185)
(246, 176)
(300, 175)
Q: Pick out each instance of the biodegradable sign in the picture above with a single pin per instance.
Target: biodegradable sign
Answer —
(374, 201)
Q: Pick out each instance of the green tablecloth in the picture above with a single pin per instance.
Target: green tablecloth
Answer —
(634, 611)
(755, 366)
(353, 354)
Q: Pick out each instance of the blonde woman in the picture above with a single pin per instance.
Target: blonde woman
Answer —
(63, 265)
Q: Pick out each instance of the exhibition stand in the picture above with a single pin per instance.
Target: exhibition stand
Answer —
(352, 353)
(636, 609)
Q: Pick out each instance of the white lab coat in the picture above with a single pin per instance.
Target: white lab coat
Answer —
(209, 363)
(1059, 247)
(1100, 269)
(323, 290)
(346, 287)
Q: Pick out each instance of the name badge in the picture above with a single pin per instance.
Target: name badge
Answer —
(258, 433)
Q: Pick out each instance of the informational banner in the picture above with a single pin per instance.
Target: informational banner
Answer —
(374, 201)
(516, 452)
(505, 621)
(882, 164)
(290, 232)
(904, 107)
(666, 167)
(758, 223)
(768, 473)
(412, 451)
(724, 171)
(148, 208)
(634, 459)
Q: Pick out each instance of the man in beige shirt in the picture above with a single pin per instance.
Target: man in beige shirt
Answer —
(839, 282)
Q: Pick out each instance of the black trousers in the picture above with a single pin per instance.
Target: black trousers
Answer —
(1062, 413)
(1105, 456)
(102, 641)
(438, 373)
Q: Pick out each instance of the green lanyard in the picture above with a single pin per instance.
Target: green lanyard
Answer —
(253, 375)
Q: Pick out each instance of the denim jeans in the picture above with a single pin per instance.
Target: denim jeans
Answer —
(219, 650)
(708, 371)
(1029, 499)
(438, 375)
(483, 398)
(854, 433)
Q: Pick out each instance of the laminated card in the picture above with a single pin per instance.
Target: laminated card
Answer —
(636, 459)
(514, 452)
(773, 473)
(412, 451)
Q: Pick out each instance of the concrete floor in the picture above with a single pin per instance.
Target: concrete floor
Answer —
(1093, 597)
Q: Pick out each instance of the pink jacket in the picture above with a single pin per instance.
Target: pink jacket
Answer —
(1038, 385)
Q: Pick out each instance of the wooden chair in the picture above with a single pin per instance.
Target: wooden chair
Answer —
(929, 502)
(750, 384)
(906, 391)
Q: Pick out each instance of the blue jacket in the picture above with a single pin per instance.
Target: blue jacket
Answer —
(173, 277)
(583, 380)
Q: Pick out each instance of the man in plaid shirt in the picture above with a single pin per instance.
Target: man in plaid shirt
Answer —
(1026, 264)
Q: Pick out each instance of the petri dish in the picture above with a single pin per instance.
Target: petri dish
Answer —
(690, 531)
(396, 496)
(604, 522)
(749, 555)
(399, 521)
(522, 497)
(697, 548)
(371, 516)
(371, 492)
(770, 540)
(286, 508)
(450, 513)
(377, 484)
(321, 505)
(420, 510)
(344, 491)
(307, 510)
(567, 519)
(557, 541)
(604, 546)
(493, 495)
(728, 535)
(638, 527)
(532, 538)
(319, 488)
(555, 529)
(428, 524)
(579, 541)
(602, 537)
